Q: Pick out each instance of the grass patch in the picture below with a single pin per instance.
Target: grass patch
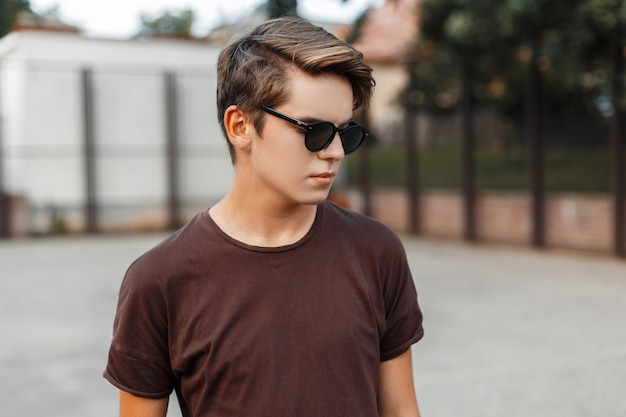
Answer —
(565, 169)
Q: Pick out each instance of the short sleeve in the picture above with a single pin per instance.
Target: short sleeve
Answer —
(138, 360)
(403, 316)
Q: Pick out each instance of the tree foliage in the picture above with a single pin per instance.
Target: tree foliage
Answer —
(9, 10)
(169, 24)
(278, 8)
(490, 41)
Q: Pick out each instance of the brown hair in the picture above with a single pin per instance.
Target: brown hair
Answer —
(252, 70)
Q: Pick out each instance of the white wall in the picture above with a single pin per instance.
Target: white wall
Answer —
(42, 112)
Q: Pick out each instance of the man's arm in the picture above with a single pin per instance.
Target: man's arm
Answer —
(133, 406)
(396, 393)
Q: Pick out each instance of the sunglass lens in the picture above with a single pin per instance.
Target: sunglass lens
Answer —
(319, 136)
(352, 138)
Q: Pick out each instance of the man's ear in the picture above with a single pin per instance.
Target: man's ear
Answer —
(238, 128)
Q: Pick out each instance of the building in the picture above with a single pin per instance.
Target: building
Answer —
(99, 135)
(385, 37)
(104, 134)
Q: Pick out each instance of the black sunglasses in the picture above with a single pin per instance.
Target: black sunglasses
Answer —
(319, 135)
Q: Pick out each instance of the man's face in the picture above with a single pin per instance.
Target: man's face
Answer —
(283, 169)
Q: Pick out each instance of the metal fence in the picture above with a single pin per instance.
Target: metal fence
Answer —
(119, 149)
(537, 134)
(93, 150)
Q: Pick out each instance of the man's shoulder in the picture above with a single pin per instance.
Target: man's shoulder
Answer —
(173, 254)
(349, 217)
(345, 220)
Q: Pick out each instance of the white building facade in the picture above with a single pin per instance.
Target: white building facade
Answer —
(102, 135)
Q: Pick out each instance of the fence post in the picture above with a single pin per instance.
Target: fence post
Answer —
(535, 145)
(363, 170)
(89, 157)
(617, 143)
(467, 159)
(172, 154)
(411, 139)
(5, 207)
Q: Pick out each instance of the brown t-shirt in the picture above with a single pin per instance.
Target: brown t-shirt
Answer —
(292, 331)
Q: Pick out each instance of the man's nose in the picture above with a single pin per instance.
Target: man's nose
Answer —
(334, 150)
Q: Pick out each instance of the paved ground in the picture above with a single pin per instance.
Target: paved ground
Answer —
(509, 332)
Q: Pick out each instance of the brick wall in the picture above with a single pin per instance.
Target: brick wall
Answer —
(580, 222)
(573, 221)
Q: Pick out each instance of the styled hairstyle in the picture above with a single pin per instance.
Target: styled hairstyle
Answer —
(253, 69)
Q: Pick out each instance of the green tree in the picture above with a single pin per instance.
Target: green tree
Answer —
(9, 10)
(465, 42)
(493, 41)
(278, 8)
(169, 24)
(5, 18)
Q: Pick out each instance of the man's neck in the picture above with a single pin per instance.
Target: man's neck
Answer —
(262, 224)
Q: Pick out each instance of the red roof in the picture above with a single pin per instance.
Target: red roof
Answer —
(27, 20)
(388, 31)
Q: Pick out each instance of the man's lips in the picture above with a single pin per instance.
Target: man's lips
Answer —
(324, 177)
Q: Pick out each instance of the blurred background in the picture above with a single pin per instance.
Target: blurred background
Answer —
(497, 121)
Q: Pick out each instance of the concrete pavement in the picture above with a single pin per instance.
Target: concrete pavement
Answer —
(519, 333)
(509, 332)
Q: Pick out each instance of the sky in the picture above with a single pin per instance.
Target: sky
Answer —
(121, 18)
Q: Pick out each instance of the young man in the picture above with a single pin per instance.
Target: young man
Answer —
(275, 302)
